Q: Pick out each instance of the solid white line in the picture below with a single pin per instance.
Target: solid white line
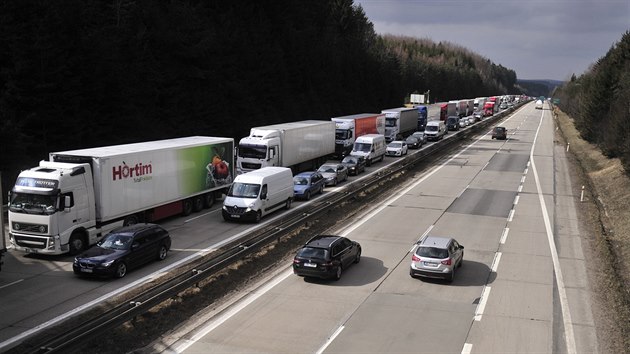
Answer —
(7, 285)
(511, 216)
(482, 303)
(330, 340)
(146, 279)
(562, 294)
(495, 262)
(467, 348)
(181, 346)
(505, 234)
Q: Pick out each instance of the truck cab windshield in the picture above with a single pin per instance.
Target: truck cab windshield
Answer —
(244, 190)
(37, 204)
(342, 134)
(252, 151)
(390, 122)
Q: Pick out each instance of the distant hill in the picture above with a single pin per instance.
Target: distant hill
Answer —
(538, 87)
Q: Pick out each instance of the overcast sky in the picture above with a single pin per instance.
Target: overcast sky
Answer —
(538, 39)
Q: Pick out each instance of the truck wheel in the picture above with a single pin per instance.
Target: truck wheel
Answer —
(208, 200)
(197, 203)
(131, 220)
(121, 270)
(77, 244)
(187, 207)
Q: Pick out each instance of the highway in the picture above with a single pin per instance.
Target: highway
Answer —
(486, 196)
(522, 287)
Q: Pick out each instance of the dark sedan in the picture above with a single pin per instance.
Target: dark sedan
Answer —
(499, 133)
(326, 256)
(355, 164)
(123, 249)
(413, 142)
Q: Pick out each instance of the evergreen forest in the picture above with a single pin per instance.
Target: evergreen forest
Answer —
(599, 102)
(87, 73)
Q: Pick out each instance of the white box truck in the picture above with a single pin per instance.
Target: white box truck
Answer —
(257, 193)
(69, 202)
(400, 122)
(300, 146)
(348, 128)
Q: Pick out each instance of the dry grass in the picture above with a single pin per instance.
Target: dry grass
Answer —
(607, 219)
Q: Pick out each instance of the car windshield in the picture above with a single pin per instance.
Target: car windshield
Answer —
(394, 145)
(349, 159)
(327, 168)
(363, 147)
(301, 181)
(116, 242)
(432, 252)
(312, 252)
(244, 190)
(431, 128)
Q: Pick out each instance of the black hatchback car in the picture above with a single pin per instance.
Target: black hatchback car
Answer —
(122, 249)
(326, 256)
(499, 133)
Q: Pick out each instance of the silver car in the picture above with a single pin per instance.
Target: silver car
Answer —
(436, 257)
(333, 173)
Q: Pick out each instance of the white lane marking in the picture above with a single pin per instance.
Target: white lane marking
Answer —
(467, 349)
(562, 294)
(13, 283)
(482, 303)
(523, 179)
(495, 262)
(525, 172)
(504, 235)
(516, 200)
(148, 278)
(511, 216)
(182, 345)
(330, 340)
(520, 188)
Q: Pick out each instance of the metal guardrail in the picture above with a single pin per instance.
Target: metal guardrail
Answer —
(73, 338)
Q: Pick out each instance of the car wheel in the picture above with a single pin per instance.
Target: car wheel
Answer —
(287, 205)
(162, 253)
(461, 260)
(335, 182)
(321, 189)
(358, 257)
(451, 276)
(338, 272)
(411, 273)
(307, 196)
(121, 270)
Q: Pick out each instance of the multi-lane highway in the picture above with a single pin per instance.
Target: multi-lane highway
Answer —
(522, 286)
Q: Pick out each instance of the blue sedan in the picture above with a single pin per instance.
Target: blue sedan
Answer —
(306, 184)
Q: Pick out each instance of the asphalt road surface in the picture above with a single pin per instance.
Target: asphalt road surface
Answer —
(522, 286)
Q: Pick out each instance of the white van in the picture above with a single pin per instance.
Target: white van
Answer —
(257, 193)
(371, 147)
(435, 130)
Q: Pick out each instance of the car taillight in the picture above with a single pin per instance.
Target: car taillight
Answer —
(446, 261)
(415, 258)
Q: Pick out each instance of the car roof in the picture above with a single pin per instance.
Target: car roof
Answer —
(133, 229)
(305, 174)
(436, 241)
(322, 241)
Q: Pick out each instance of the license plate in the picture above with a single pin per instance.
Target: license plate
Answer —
(30, 250)
(86, 270)
(236, 216)
(432, 264)
(310, 265)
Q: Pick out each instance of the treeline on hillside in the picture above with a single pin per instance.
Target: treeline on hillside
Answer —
(599, 102)
(86, 73)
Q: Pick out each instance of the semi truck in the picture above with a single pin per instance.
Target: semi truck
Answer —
(479, 103)
(488, 108)
(423, 114)
(349, 128)
(400, 122)
(300, 146)
(70, 201)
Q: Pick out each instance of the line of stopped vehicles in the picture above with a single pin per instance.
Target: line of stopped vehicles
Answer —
(101, 204)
